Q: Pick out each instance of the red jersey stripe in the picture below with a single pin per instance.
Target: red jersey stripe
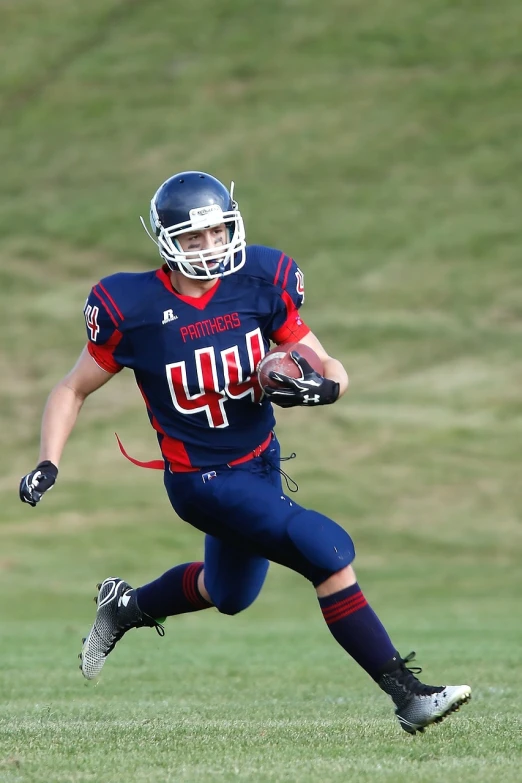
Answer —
(287, 271)
(279, 268)
(294, 328)
(172, 449)
(105, 306)
(113, 303)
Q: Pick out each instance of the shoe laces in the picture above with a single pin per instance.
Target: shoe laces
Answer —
(160, 630)
(126, 626)
(405, 677)
(412, 669)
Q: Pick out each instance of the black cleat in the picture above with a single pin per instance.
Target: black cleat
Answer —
(418, 705)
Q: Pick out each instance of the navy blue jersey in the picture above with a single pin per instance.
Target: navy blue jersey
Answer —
(194, 359)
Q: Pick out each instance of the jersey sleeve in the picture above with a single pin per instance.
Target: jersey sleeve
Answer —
(287, 324)
(103, 321)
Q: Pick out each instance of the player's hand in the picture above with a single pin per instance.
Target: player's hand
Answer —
(38, 481)
(310, 389)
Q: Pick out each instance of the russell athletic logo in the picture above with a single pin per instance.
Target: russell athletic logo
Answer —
(168, 316)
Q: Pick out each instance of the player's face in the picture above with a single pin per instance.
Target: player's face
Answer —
(206, 239)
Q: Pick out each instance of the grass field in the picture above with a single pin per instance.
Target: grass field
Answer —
(380, 145)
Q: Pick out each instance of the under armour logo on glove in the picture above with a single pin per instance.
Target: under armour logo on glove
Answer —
(310, 389)
(311, 400)
(33, 486)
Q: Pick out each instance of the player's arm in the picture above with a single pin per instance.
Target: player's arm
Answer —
(59, 417)
(65, 402)
(310, 388)
(99, 361)
(333, 369)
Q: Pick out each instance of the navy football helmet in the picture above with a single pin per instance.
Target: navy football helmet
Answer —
(193, 201)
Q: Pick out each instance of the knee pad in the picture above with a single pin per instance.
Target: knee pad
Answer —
(232, 604)
(321, 541)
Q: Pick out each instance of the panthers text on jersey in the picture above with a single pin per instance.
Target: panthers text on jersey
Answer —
(194, 359)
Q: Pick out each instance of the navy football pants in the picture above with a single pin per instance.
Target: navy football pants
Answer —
(249, 521)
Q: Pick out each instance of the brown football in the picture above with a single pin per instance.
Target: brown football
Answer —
(278, 359)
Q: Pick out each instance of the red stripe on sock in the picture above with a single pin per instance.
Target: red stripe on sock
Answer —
(346, 612)
(343, 602)
(189, 585)
(345, 606)
(351, 599)
(343, 613)
(341, 609)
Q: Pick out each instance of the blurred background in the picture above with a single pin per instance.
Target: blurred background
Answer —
(380, 145)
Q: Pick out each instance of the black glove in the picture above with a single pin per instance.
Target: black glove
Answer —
(38, 481)
(310, 389)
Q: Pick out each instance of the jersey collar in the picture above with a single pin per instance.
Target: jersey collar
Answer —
(199, 302)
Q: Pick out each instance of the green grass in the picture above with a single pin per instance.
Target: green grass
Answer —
(254, 711)
(380, 144)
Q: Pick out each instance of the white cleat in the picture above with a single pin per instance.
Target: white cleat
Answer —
(422, 710)
(418, 705)
(117, 611)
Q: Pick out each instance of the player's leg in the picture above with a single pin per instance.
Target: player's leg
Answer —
(245, 509)
(232, 580)
(119, 607)
(315, 546)
(178, 591)
(310, 543)
(181, 589)
(117, 611)
(233, 576)
(357, 628)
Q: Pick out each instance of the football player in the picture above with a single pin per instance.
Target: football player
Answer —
(193, 332)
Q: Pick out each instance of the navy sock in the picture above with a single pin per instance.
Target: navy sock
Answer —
(356, 627)
(176, 592)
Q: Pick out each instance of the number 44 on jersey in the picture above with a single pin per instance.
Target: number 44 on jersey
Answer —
(211, 398)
